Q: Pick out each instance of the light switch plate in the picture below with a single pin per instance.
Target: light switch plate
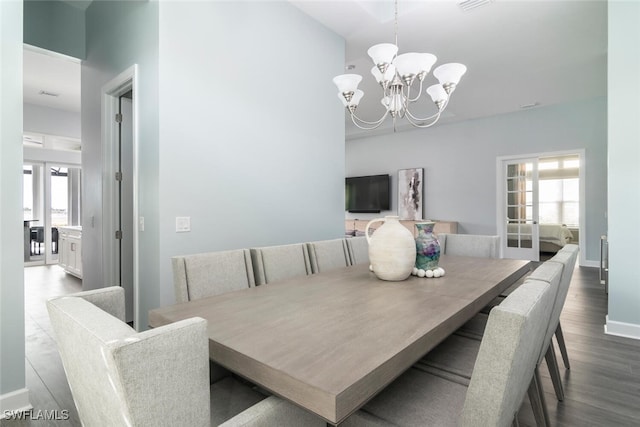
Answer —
(183, 224)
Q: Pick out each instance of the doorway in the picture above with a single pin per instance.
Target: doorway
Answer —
(540, 203)
(120, 233)
(51, 199)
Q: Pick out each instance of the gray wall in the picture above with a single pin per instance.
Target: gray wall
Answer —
(251, 139)
(120, 34)
(253, 155)
(459, 161)
(624, 170)
(55, 25)
(12, 362)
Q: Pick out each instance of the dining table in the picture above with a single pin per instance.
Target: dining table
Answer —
(329, 342)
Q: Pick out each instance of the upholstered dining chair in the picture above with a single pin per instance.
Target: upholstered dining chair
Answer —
(273, 263)
(566, 258)
(569, 265)
(119, 377)
(457, 353)
(502, 372)
(207, 274)
(328, 254)
(469, 245)
(358, 250)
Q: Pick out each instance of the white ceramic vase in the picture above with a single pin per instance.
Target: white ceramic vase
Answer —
(392, 249)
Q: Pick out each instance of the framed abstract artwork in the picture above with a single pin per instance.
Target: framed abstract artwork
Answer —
(410, 189)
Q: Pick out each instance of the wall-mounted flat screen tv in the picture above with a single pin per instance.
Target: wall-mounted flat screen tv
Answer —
(370, 194)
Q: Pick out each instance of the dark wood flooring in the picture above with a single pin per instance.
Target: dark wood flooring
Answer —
(602, 388)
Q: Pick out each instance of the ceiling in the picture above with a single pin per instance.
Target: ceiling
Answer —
(46, 75)
(540, 52)
(518, 53)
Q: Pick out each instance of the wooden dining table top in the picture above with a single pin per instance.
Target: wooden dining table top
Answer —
(329, 342)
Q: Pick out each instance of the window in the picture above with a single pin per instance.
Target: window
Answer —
(559, 191)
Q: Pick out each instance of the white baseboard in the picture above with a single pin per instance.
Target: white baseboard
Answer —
(622, 329)
(16, 401)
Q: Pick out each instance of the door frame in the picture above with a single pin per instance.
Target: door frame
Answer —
(125, 81)
(582, 242)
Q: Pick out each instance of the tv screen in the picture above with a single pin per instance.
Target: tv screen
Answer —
(367, 193)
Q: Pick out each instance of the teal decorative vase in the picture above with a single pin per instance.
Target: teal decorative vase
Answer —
(427, 246)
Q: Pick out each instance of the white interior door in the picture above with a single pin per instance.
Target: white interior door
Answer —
(519, 211)
(125, 201)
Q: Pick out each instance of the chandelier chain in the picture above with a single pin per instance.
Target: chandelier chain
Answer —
(395, 29)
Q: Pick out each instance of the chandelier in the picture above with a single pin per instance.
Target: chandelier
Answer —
(399, 76)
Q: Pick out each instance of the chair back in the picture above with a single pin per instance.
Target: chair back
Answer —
(203, 275)
(358, 250)
(550, 272)
(120, 377)
(328, 254)
(507, 356)
(566, 257)
(273, 263)
(469, 245)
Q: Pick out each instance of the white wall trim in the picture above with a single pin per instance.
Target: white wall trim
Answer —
(15, 401)
(125, 81)
(622, 329)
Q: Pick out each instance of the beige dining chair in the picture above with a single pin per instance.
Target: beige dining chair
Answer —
(120, 377)
(566, 258)
(327, 255)
(569, 263)
(358, 250)
(273, 263)
(469, 245)
(502, 373)
(113, 378)
(457, 353)
(207, 274)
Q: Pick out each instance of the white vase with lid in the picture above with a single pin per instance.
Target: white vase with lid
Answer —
(392, 249)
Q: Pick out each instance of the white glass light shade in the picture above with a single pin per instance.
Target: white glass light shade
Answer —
(449, 73)
(347, 82)
(426, 61)
(437, 93)
(388, 75)
(407, 64)
(355, 100)
(382, 53)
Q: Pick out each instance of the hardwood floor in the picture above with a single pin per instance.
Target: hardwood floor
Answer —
(602, 388)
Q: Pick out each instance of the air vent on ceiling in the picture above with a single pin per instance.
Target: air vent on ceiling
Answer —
(44, 92)
(467, 5)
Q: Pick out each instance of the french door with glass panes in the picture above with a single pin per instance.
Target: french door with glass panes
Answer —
(51, 195)
(519, 209)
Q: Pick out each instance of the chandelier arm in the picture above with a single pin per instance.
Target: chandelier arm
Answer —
(428, 125)
(420, 119)
(376, 123)
(437, 114)
(417, 97)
